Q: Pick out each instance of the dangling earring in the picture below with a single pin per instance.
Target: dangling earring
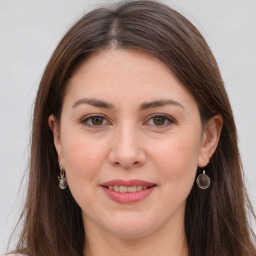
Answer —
(62, 178)
(203, 181)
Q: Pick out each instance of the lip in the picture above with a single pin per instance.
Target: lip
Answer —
(127, 183)
(128, 198)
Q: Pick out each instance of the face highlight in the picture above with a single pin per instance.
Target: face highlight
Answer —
(130, 142)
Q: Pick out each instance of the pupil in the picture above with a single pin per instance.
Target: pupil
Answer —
(159, 120)
(97, 120)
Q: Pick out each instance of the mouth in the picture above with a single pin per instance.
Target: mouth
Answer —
(126, 189)
(127, 192)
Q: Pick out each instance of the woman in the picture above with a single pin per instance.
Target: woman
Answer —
(134, 146)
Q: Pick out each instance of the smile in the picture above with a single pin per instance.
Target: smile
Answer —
(127, 192)
(125, 189)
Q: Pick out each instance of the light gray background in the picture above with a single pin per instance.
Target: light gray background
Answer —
(29, 32)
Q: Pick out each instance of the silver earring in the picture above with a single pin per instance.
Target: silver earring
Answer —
(203, 181)
(62, 178)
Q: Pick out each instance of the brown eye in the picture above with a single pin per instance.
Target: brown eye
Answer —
(97, 120)
(159, 120)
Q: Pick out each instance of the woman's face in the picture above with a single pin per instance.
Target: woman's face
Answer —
(130, 140)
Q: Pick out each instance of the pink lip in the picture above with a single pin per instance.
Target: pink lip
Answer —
(127, 183)
(128, 198)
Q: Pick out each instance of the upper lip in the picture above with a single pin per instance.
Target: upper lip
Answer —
(127, 183)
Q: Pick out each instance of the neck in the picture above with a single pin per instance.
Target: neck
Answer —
(163, 242)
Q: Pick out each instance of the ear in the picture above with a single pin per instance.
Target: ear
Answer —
(56, 135)
(210, 139)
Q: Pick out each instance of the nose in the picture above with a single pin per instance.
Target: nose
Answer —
(127, 149)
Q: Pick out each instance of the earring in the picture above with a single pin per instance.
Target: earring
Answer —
(62, 178)
(203, 181)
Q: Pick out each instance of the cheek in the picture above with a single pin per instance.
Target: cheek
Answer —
(178, 158)
(82, 160)
(82, 156)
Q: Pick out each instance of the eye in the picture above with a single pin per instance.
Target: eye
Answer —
(160, 120)
(94, 121)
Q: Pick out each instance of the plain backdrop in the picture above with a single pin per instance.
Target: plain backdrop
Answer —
(31, 29)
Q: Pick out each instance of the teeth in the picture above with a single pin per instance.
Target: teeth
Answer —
(124, 189)
(139, 188)
(131, 189)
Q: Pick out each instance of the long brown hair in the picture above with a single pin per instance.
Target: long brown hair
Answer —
(216, 220)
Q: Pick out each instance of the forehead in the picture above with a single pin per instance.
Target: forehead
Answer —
(127, 74)
(128, 63)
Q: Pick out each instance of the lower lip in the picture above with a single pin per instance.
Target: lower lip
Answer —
(128, 198)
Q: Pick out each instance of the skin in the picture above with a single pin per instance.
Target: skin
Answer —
(128, 142)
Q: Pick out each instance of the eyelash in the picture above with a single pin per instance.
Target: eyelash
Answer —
(89, 118)
(167, 121)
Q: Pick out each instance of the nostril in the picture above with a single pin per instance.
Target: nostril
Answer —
(127, 164)
(135, 163)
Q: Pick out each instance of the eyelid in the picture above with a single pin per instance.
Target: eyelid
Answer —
(88, 117)
(168, 118)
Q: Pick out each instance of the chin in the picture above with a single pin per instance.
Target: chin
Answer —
(130, 227)
(129, 233)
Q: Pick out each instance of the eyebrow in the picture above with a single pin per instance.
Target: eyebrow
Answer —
(160, 103)
(93, 102)
(143, 106)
